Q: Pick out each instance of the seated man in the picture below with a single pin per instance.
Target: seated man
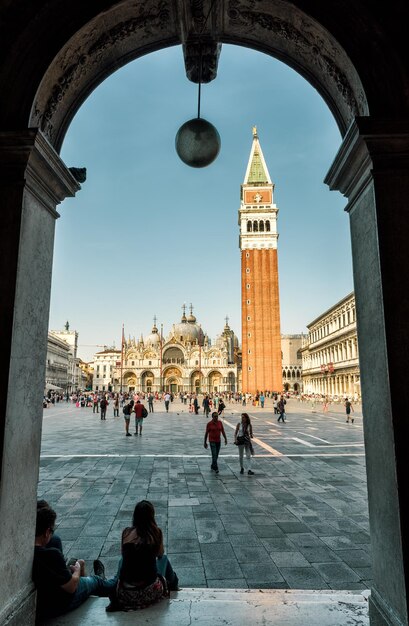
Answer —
(61, 589)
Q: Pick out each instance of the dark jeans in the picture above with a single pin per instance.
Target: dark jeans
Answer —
(167, 405)
(165, 569)
(150, 405)
(95, 408)
(215, 449)
(103, 413)
(281, 417)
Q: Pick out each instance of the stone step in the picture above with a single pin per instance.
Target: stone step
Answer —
(232, 607)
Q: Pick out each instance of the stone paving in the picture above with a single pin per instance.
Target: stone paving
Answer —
(300, 522)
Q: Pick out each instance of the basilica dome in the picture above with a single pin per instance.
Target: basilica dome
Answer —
(153, 339)
(188, 331)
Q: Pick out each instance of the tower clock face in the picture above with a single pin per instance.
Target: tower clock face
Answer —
(257, 197)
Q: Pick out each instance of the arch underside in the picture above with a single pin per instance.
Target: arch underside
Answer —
(125, 33)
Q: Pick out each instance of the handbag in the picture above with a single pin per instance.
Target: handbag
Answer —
(240, 439)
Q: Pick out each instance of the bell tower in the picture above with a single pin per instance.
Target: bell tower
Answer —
(260, 304)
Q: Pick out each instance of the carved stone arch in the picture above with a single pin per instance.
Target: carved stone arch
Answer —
(96, 45)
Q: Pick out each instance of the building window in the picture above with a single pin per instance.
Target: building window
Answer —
(133, 363)
(196, 362)
(248, 286)
(268, 226)
(261, 227)
(249, 368)
(247, 270)
(247, 255)
(248, 334)
(149, 362)
(248, 301)
(249, 227)
(255, 226)
(249, 352)
(248, 318)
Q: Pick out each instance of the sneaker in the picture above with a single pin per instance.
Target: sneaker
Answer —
(217, 471)
(135, 434)
(250, 473)
(128, 435)
(242, 470)
(353, 420)
(112, 607)
(99, 569)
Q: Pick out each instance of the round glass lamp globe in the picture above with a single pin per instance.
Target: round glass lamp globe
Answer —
(197, 142)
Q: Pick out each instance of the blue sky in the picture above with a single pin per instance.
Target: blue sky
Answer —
(146, 233)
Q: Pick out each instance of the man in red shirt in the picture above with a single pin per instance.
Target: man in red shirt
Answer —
(214, 429)
(138, 409)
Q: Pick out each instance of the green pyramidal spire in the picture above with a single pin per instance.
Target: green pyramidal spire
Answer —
(257, 172)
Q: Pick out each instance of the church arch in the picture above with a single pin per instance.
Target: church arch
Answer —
(173, 354)
(147, 381)
(214, 381)
(249, 226)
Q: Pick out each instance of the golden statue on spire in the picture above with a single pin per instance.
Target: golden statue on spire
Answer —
(254, 131)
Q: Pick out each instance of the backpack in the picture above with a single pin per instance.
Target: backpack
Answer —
(144, 412)
(126, 409)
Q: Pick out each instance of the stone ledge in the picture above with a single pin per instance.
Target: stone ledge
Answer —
(228, 607)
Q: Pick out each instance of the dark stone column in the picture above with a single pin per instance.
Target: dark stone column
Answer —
(372, 170)
(33, 180)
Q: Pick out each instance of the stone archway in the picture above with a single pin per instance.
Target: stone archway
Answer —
(46, 79)
(172, 380)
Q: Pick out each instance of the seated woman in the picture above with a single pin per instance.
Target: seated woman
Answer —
(145, 574)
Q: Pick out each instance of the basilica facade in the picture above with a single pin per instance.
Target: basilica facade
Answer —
(184, 361)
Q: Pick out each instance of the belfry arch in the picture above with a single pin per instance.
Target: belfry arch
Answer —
(49, 65)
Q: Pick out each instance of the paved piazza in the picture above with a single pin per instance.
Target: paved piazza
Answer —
(300, 522)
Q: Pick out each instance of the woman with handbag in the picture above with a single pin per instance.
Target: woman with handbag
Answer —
(242, 439)
(145, 573)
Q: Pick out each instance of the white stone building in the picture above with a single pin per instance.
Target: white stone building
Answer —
(57, 364)
(330, 363)
(291, 357)
(185, 360)
(74, 371)
(105, 364)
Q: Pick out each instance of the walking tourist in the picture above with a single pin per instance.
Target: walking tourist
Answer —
(103, 406)
(196, 405)
(167, 400)
(95, 402)
(127, 410)
(281, 409)
(62, 588)
(242, 439)
(262, 400)
(214, 429)
(140, 413)
(145, 574)
(116, 405)
(206, 405)
(150, 402)
(348, 409)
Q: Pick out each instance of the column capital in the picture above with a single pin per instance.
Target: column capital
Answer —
(27, 158)
(370, 146)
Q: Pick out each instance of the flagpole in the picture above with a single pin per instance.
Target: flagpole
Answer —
(161, 350)
(200, 358)
(122, 353)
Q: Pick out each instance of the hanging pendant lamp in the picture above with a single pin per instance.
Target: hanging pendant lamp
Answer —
(198, 141)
